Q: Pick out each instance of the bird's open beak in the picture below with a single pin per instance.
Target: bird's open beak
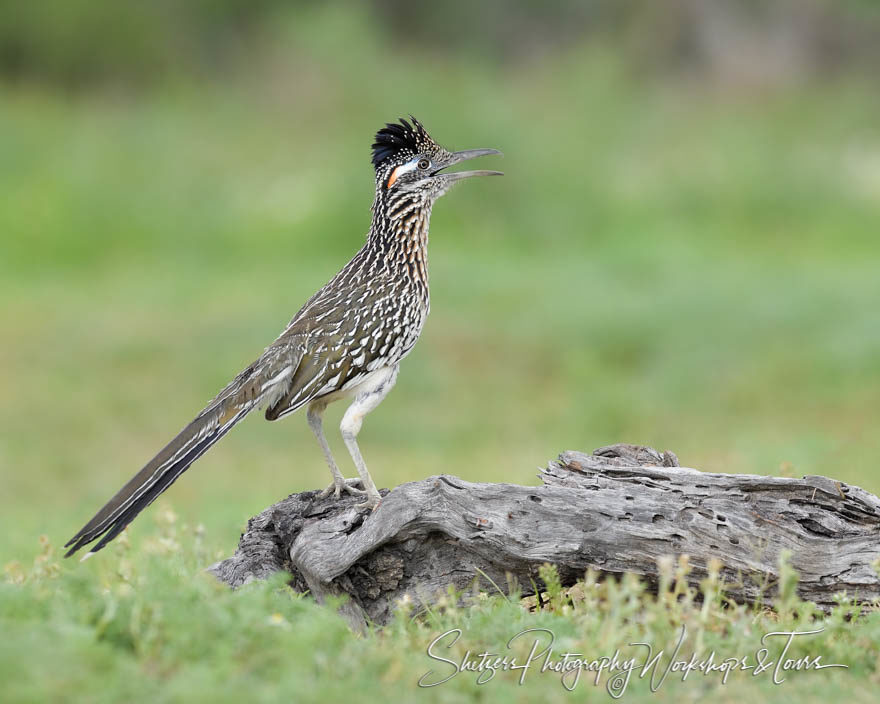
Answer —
(458, 157)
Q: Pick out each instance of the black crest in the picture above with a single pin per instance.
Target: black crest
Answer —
(400, 140)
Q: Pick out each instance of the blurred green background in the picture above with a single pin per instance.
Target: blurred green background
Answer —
(683, 252)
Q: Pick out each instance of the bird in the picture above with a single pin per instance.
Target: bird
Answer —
(346, 342)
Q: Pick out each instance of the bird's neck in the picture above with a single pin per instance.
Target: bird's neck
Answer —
(400, 230)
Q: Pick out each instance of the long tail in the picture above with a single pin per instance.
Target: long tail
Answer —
(243, 394)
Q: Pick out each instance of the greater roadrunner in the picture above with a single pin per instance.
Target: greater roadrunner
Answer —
(346, 341)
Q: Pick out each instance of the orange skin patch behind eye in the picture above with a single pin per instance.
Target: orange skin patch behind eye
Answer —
(393, 177)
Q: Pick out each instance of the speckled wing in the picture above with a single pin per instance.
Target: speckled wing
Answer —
(342, 344)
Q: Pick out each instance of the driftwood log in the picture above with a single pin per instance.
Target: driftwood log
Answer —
(617, 510)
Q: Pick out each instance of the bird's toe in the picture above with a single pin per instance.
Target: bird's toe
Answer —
(372, 502)
(349, 486)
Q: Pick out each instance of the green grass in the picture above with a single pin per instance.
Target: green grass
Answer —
(662, 264)
(147, 625)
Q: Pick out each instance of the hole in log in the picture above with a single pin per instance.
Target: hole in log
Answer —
(352, 527)
(625, 517)
(816, 528)
(536, 499)
(657, 517)
(734, 541)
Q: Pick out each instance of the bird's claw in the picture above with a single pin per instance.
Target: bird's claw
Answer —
(372, 502)
(349, 486)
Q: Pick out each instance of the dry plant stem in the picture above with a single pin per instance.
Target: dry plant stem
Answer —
(618, 510)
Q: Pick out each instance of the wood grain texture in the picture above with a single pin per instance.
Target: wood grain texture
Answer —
(617, 510)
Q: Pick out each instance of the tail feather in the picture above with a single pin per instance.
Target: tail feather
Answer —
(235, 401)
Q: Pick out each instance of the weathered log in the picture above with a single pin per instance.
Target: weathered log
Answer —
(617, 510)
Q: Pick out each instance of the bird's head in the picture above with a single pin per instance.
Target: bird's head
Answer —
(409, 162)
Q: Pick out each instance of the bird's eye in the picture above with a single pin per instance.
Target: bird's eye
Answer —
(424, 164)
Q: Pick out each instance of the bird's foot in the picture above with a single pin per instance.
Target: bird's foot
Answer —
(372, 502)
(349, 486)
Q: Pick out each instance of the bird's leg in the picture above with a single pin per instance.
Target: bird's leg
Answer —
(367, 398)
(340, 483)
